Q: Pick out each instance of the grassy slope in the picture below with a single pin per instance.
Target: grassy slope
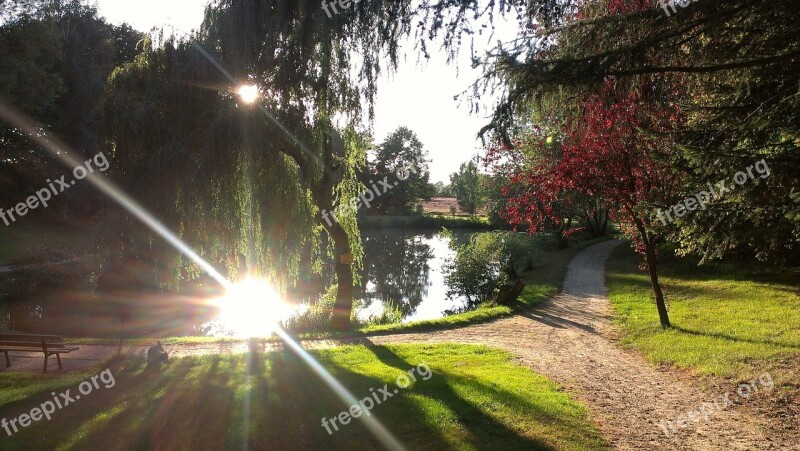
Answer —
(726, 322)
(477, 398)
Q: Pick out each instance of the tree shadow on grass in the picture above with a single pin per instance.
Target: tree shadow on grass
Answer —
(735, 339)
(483, 430)
(263, 401)
(558, 423)
(255, 401)
(313, 400)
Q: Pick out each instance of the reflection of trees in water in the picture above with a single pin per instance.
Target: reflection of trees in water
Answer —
(397, 266)
(65, 300)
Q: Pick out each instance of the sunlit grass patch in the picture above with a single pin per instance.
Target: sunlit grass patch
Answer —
(16, 387)
(726, 322)
(474, 397)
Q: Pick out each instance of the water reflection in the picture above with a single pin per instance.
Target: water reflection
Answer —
(64, 300)
(397, 271)
(402, 268)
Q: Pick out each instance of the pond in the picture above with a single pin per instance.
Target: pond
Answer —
(402, 270)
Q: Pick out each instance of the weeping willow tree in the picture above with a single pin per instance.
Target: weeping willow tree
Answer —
(218, 172)
(315, 67)
(245, 184)
(209, 167)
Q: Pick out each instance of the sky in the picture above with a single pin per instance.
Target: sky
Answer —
(419, 95)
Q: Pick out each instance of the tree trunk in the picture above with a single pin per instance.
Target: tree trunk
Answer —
(121, 335)
(334, 160)
(651, 260)
(604, 226)
(601, 222)
(343, 306)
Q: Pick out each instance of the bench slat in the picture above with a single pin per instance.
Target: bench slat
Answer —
(32, 341)
(21, 344)
(49, 350)
(29, 337)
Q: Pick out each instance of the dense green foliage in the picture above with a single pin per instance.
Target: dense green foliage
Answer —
(468, 185)
(487, 262)
(734, 66)
(475, 272)
(54, 63)
(400, 156)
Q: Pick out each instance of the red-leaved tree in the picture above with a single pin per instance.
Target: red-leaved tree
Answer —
(616, 152)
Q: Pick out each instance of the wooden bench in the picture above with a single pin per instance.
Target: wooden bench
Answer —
(49, 345)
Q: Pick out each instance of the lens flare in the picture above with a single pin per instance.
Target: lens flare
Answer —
(251, 308)
(248, 93)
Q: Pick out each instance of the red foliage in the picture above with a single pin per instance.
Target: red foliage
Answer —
(613, 152)
(630, 6)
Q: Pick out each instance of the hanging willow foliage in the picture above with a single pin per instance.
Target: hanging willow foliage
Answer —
(205, 164)
(245, 185)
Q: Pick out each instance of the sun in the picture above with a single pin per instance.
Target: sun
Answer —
(252, 308)
(248, 93)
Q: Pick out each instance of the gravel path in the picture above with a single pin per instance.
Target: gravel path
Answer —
(571, 339)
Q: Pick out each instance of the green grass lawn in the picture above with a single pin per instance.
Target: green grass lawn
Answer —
(727, 321)
(474, 398)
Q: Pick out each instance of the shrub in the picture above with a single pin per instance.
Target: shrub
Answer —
(391, 314)
(317, 318)
(487, 262)
(521, 252)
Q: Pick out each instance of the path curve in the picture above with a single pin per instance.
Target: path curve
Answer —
(571, 339)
